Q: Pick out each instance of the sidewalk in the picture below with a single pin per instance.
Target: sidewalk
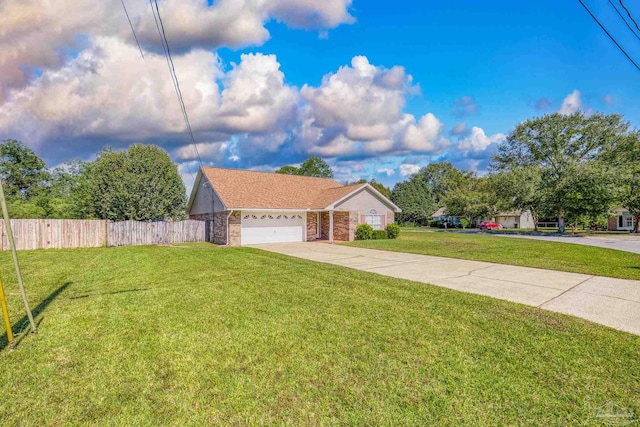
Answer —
(608, 301)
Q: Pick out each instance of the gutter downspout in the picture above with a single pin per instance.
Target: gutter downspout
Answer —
(228, 216)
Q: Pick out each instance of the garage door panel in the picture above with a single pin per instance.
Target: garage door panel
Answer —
(258, 227)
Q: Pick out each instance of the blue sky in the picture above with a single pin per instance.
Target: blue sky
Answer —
(430, 80)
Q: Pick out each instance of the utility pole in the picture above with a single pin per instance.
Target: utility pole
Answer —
(14, 254)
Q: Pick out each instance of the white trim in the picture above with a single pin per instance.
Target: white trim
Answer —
(272, 210)
(376, 193)
(304, 228)
(318, 233)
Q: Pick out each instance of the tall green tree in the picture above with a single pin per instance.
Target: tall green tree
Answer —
(415, 197)
(473, 199)
(313, 166)
(23, 172)
(375, 184)
(623, 158)
(60, 202)
(567, 150)
(519, 189)
(288, 170)
(141, 183)
(443, 178)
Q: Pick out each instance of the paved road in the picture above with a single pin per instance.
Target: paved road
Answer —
(611, 302)
(625, 243)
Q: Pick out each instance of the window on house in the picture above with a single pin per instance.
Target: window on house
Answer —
(375, 221)
(628, 221)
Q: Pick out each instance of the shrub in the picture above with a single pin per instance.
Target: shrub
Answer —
(464, 222)
(393, 230)
(379, 234)
(364, 232)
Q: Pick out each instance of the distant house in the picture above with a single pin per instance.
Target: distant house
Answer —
(249, 207)
(441, 216)
(620, 220)
(515, 219)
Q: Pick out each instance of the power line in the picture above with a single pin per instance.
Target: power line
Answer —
(132, 30)
(623, 19)
(610, 36)
(174, 76)
(629, 13)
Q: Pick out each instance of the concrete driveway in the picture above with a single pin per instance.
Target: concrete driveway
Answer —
(611, 302)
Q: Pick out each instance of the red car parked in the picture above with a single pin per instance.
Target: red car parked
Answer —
(489, 225)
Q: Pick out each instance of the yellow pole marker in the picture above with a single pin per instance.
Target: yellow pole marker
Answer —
(5, 314)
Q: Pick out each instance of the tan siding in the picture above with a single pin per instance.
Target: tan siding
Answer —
(362, 202)
(202, 201)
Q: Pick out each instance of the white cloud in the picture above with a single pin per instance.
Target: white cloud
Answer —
(478, 141)
(424, 136)
(608, 99)
(408, 169)
(571, 103)
(464, 106)
(386, 171)
(359, 108)
(255, 98)
(210, 151)
(459, 129)
(40, 34)
(108, 91)
(362, 100)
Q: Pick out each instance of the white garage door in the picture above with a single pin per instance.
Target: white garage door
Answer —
(272, 227)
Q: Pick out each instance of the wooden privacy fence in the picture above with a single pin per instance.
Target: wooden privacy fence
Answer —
(80, 233)
(131, 233)
(55, 233)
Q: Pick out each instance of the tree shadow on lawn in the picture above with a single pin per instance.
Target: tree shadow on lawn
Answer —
(109, 293)
(24, 321)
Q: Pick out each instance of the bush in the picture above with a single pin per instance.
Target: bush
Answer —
(393, 230)
(464, 222)
(364, 232)
(379, 234)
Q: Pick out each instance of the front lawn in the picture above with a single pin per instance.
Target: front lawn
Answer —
(150, 336)
(528, 253)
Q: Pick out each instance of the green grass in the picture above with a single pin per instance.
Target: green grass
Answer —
(152, 336)
(523, 252)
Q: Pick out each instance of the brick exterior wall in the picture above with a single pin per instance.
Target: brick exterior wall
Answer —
(235, 230)
(219, 236)
(354, 219)
(344, 226)
(324, 225)
(220, 228)
(312, 225)
(391, 217)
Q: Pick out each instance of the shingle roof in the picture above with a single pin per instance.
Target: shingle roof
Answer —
(509, 213)
(440, 212)
(264, 190)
